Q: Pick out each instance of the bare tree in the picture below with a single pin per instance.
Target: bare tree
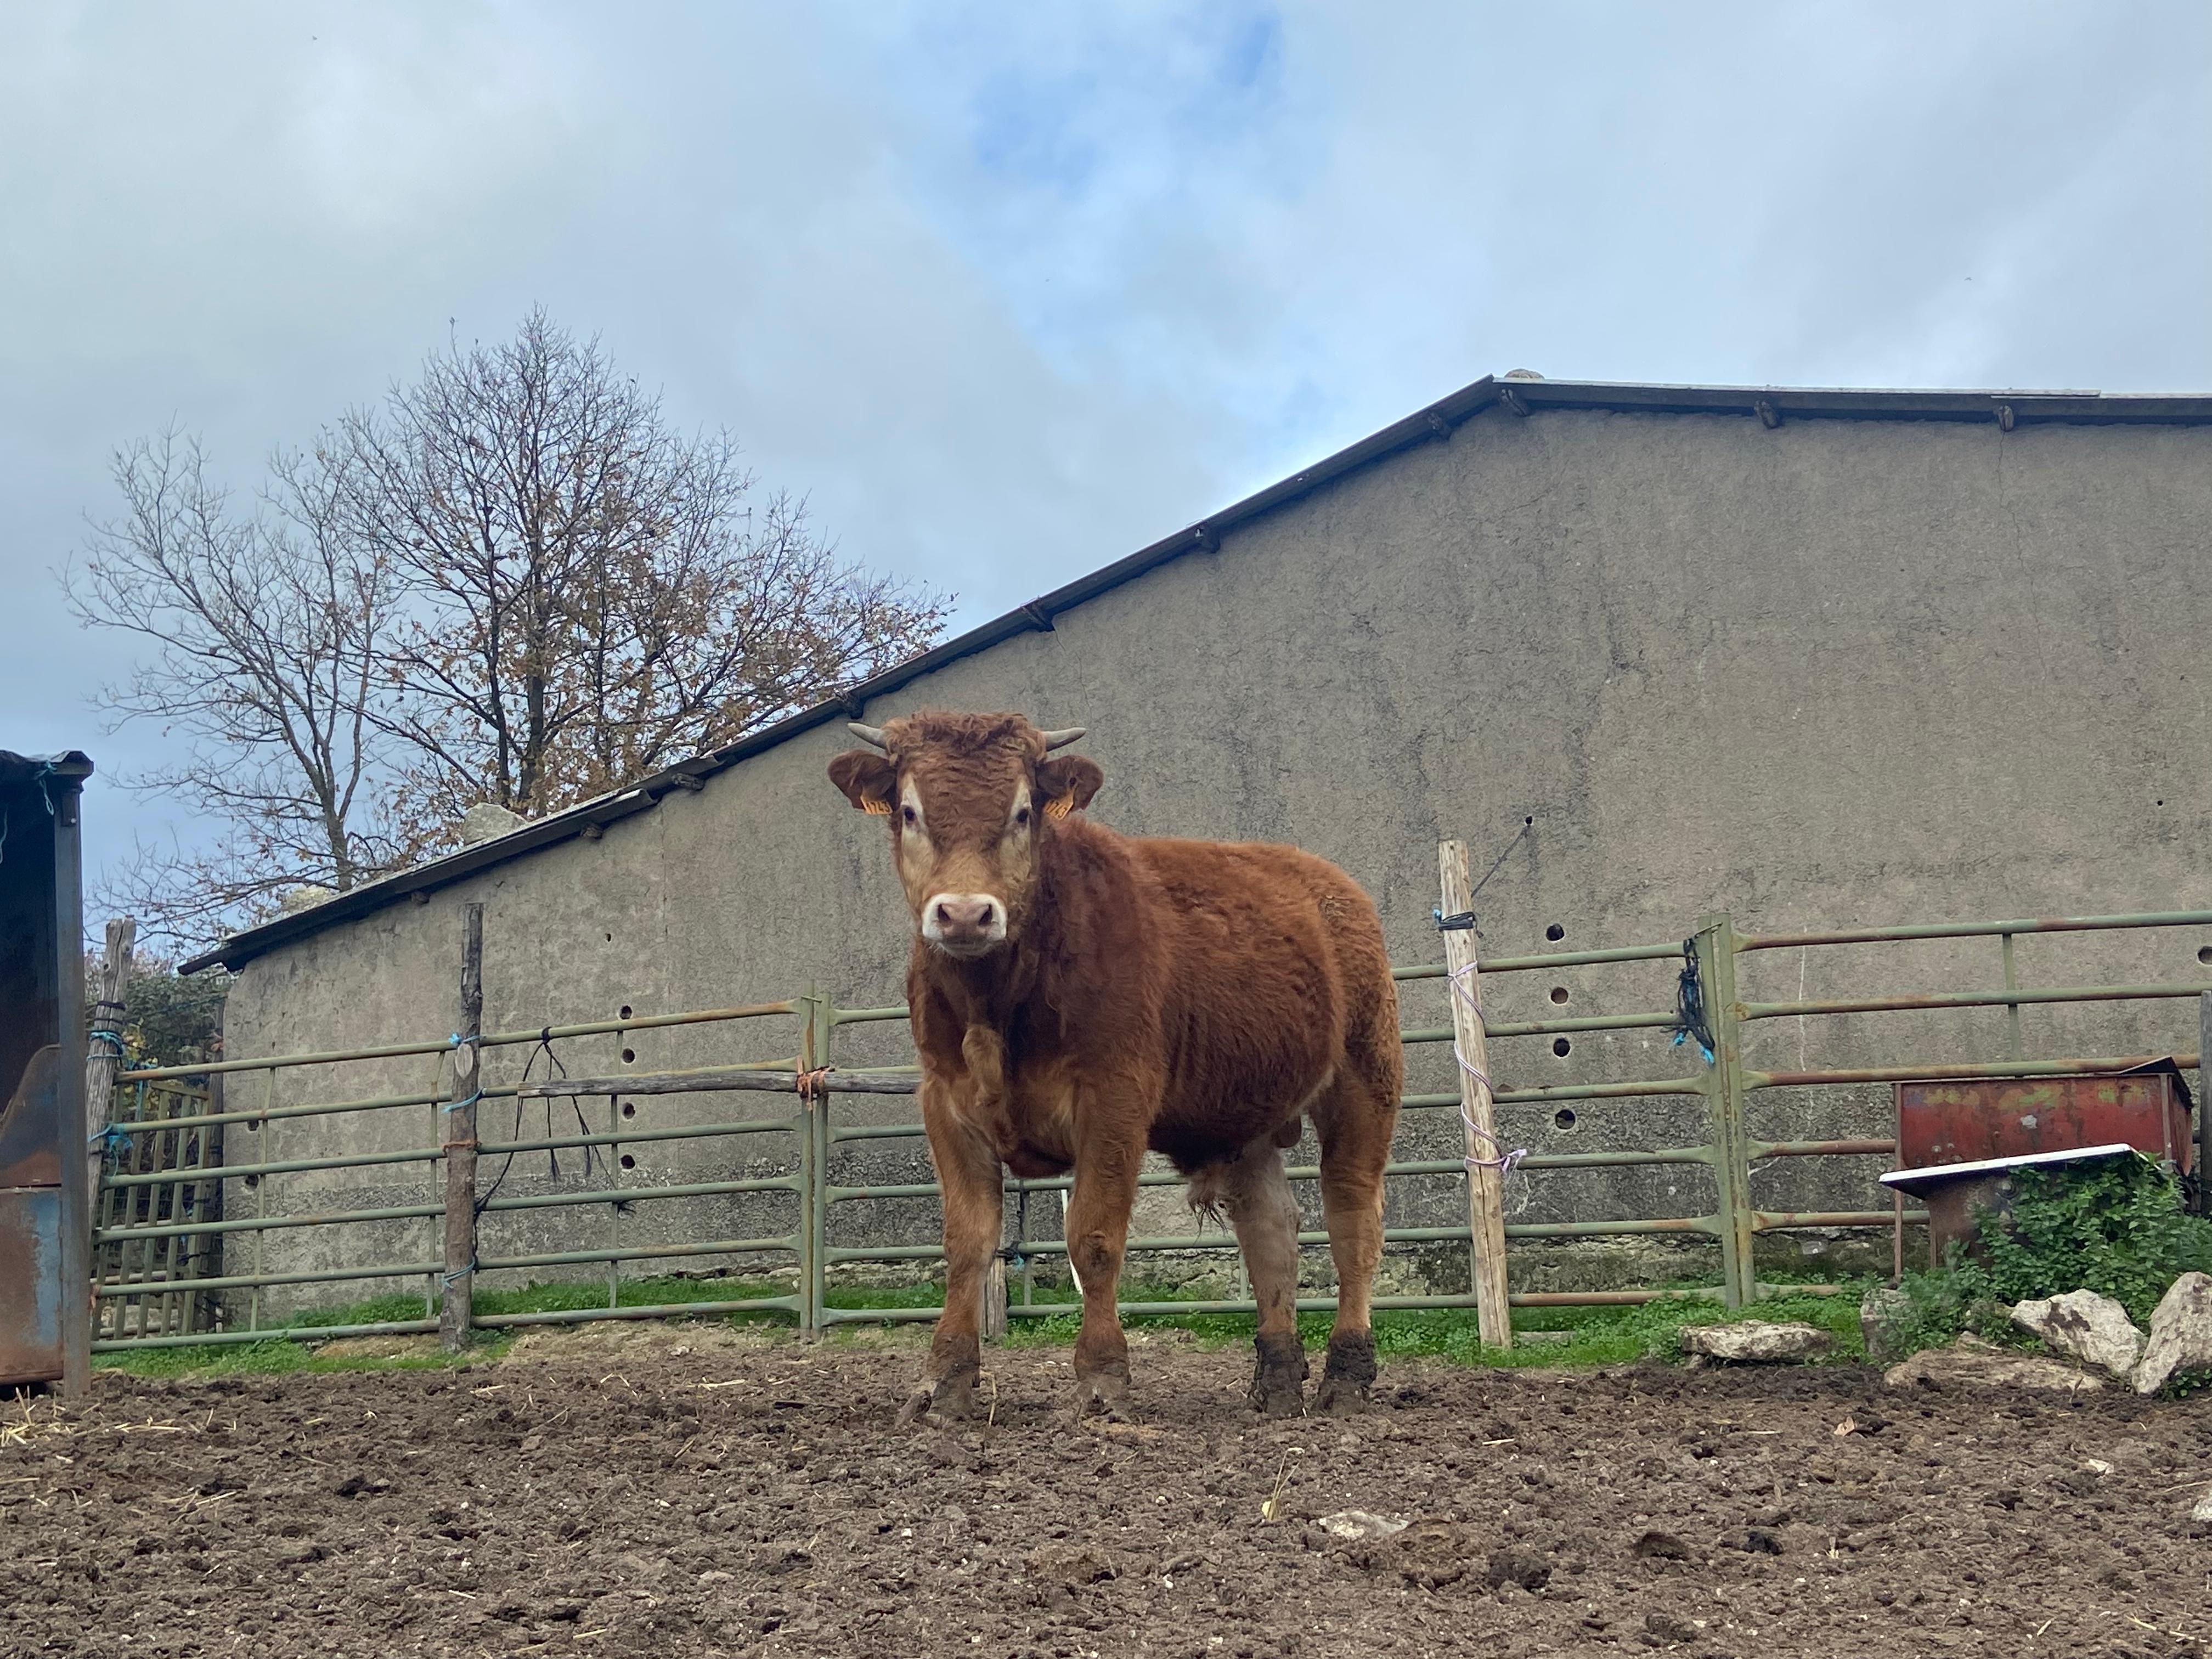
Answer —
(512, 581)
(266, 629)
(592, 595)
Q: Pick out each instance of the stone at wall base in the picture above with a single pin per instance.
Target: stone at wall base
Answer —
(2180, 1333)
(1972, 1363)
(1754, 1341)
(2084, 1326)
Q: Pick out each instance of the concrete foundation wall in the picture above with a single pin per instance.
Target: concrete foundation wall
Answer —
(1845, 672)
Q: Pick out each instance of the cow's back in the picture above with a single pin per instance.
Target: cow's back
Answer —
(1274, 963)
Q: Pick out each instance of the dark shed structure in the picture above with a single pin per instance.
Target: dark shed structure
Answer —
(45, 1310)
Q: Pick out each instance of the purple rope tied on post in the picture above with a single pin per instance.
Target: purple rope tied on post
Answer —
(1504, 1161)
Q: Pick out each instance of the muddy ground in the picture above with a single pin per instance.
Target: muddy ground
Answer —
(674, 1492)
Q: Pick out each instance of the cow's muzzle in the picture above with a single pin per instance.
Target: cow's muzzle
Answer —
(963, 924)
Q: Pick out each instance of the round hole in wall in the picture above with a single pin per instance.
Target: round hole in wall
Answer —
(1558, 994)
(627, 1162)
(2204, 954)
(1564, 1118)
(2159, 803)
(629, 1109)
(611, 939)
(630, 1056)
(253, 1181)
(1555, 932)
(625, 1011)
(1561, 1047)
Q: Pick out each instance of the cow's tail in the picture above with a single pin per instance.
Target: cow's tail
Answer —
(1072, 1273)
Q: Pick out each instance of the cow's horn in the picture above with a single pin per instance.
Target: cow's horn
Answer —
(871, 735)
(1061, 740)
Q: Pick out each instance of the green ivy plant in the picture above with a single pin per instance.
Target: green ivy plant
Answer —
(2117, 1227)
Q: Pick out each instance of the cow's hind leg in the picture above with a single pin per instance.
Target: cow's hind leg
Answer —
(1256, 1195)
(1354, 1121)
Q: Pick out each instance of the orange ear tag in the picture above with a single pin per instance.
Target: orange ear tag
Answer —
(1059, 806)
(874, 808)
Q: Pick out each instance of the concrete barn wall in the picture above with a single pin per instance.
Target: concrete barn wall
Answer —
(1843, 672)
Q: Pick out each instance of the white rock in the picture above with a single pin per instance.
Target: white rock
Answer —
(1978, 1363)
(2180, 1333)
(1755, 1339)
(2084, 1326)
(1357, 1523)
(2203, 1509)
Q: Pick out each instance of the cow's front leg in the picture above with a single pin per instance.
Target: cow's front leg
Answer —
(1110, 1153)
(968, 1171)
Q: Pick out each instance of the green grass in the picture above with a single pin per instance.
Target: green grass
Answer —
(224, 1359)
(1600, 1336)
(2119, 1228)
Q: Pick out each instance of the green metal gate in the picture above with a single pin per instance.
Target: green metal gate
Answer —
(817, 1139)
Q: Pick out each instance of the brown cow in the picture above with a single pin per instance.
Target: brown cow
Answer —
(1079, 995)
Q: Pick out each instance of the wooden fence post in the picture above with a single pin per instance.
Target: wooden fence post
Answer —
(1724, 1106)
(456, 1305)
(103, 1055)
(1485, 1185)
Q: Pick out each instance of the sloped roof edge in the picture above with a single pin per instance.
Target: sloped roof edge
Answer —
(1774, 405)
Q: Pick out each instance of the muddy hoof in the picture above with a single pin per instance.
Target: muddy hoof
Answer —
(952, 1399)
(1349, 1377)
(1103, 1394)
(1279, 1374)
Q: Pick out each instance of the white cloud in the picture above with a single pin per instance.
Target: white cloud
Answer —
(1009, 291)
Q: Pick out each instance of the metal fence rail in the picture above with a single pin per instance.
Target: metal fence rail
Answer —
(249, 1182)
(232, 1210)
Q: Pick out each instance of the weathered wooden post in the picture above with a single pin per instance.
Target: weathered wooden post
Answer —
(456, 1306)
(1724, 1105)
(1486, 1184)
(104, 1054)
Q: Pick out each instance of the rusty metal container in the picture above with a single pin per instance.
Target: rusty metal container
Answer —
(1985, 1118)
(45, 1303)
(1959, 1143)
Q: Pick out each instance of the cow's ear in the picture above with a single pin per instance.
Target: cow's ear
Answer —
(867, 780)
(1067, 784)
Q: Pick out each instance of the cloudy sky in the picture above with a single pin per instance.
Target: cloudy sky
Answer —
(1010, 290)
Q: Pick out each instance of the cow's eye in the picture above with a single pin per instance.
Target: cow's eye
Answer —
(910, 815)
(1022, 818)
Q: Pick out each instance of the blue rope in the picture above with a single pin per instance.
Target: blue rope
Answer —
(454, 1041)
(1690, 1020)
(113, 1142)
